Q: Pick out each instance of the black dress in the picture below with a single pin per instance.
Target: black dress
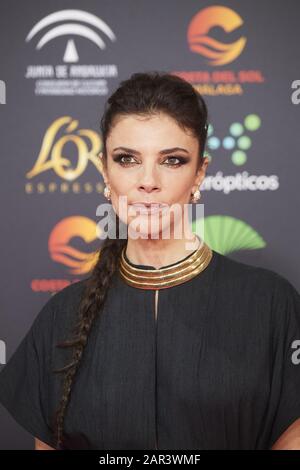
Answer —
(215, 370)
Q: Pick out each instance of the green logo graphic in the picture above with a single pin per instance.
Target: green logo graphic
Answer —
(225, 234)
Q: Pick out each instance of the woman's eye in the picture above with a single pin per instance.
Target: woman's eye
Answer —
(123, 159)
(179, 161)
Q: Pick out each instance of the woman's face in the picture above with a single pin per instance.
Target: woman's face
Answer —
(151, 160)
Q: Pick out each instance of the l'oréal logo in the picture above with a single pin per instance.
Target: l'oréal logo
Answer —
(52, 155)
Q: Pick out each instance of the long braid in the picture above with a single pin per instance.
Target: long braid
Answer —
(92, 301)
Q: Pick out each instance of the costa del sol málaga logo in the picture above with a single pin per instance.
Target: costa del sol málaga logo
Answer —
(216, 52)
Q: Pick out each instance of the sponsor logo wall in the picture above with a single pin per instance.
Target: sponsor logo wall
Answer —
(59, 61)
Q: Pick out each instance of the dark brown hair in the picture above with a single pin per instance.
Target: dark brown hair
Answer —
(142, 94)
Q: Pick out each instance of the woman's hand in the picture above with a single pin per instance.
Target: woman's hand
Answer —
(39, 445)
(290, 439)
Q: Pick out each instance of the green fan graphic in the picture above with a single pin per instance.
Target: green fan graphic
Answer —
(226, 234)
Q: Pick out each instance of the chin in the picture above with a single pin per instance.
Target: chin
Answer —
(143, 230)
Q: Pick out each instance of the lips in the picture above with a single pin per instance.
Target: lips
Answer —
(148, 204)
(148, 207)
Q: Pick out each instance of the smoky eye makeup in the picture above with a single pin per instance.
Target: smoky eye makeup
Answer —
(125, 159)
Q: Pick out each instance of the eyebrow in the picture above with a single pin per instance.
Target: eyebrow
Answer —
(161, 152)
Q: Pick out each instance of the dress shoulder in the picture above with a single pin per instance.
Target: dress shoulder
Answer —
(253, 277)
(262, 292)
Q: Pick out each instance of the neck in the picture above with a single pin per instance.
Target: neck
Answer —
(160, 252)
(168, 276)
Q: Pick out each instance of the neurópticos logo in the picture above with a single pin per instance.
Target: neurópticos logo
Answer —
(216, 52)
(66, 151)
(237, 144)
(2, 92)
(71, 78)
(226, 234)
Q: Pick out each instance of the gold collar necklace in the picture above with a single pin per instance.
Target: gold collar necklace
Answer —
(162, 278)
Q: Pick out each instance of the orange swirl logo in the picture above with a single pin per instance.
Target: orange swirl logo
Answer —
(217, 53)
(51, 153)
(61, 250)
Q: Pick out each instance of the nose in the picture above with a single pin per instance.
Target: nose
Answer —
(148, 179)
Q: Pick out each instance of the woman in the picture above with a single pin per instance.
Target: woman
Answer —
(174, 346)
